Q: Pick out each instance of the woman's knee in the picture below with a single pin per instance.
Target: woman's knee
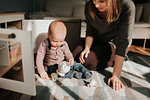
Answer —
(77, 50)
(76, 53)
(91, 61)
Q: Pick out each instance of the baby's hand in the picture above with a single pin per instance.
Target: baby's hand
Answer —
(71, 62)
(44, 75)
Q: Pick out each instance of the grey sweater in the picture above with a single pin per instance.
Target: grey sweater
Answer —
(119, 32)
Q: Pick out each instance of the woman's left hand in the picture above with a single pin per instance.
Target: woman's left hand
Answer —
(117, 84)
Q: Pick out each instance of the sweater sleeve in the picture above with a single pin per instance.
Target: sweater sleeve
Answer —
(67, 53)
(124, 35)
(40, 57)
(89, 29)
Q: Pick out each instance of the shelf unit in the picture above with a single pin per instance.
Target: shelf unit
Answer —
(9, 21)
(16, 43)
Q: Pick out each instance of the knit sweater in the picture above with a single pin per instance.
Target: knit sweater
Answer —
(48, 55)
(119, 32)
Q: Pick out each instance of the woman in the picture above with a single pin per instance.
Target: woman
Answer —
(108, 34)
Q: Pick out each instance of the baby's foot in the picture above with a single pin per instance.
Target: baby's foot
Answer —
(87, 75)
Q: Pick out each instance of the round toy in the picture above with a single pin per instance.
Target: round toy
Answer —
(63, 68)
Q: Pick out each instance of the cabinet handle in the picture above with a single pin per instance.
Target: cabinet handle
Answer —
(12, 35)
(9, 36)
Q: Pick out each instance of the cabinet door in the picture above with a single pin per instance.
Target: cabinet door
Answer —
(27, 86)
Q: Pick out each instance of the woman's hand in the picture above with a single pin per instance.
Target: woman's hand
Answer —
(44, 75)
(84, 53)
(71, 62)
(117, 84)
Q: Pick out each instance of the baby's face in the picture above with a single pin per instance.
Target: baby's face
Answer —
(57, 34)
(57, 40)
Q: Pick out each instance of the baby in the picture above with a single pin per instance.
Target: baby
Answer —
(55, 50)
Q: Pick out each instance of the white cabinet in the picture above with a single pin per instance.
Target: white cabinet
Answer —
(16, 47)
(39, 29)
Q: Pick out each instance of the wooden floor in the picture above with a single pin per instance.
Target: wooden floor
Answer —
(140, 50)
(9, 95)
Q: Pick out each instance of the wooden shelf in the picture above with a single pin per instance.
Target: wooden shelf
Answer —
(8, 17)
(10, 20)
(18, 13)
(5, 69)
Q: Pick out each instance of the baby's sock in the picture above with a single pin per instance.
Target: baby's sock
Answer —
(87, 75)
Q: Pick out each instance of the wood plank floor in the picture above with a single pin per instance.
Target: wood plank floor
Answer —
(140, 50)
(9, 95)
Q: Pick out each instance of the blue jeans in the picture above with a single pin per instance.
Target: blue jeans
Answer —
(75, 67)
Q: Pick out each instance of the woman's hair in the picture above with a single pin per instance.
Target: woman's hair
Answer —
(113, 12)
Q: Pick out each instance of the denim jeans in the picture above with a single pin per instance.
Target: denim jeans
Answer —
(75, 67)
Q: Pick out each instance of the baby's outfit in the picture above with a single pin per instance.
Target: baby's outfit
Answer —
(49, 57)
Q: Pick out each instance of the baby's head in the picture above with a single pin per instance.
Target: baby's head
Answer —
(56, 33)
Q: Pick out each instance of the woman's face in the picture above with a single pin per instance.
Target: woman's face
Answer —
(100, 5)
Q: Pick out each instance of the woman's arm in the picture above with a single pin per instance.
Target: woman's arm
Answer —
(118, 65)
(88, 42)
(90, 33)
(122, 41)
(115, 79)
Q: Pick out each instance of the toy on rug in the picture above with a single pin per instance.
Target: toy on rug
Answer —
(54, 76)
(92, 83)
(63, 68)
